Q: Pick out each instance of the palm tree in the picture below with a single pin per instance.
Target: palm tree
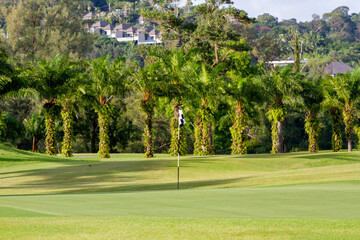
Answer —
(107, 79)
(344, 90)
(51, 79)
(149, 82)
(34, 128)
(312, 97)
(174, 63)
(280, 85)
(206, 85)
(245, 92)
(69, 101)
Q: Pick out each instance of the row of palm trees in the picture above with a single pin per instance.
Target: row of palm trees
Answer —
(184, 80)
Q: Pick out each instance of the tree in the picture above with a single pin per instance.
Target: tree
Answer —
(206, 88)
(280, 85)
(215, 35)
(46, 28)
(107, 79)
(34, 129)
(174, 63)
(344, 91)
(68, 101)
(51, 79)
(312, 96)
(149, 82)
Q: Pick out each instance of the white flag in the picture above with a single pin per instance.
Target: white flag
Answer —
(181, 118)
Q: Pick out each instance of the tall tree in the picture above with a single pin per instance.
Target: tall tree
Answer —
(206, 88)
(175, 66)
(149, 82)
(215, 35)
(312, 96)
(107, 79)
(280, 85)
(344, 91)
(245, 93)
(69, 101)
(45, 28)
(51, 79)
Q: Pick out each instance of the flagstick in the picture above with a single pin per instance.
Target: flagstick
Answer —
(178, 168)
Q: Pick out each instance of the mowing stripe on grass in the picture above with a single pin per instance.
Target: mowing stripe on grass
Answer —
(310, 201)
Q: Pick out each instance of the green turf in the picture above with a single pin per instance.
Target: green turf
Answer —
(64, 228)
(131, 172)
(316, 201)
(262, 196)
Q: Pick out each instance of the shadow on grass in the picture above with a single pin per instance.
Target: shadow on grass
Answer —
(90, 173)
(156, 187)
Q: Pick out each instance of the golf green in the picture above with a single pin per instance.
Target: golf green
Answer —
(308, 201)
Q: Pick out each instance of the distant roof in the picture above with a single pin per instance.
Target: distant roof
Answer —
(131, 29)
(90, 14)
(154, 32)
(108, 27)
(337, 67)
(100, 24)
(122, 26)
(144, 29)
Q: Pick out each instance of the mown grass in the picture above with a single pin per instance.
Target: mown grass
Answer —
(39, 174)
(48, 228)
(262, 196)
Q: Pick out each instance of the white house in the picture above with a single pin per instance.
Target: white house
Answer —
(108, 29)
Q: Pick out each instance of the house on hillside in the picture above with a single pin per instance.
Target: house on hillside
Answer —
(108, 29)
(89, 16)
(336, 68)
(281, 63)
(98, 27)
(118, 31)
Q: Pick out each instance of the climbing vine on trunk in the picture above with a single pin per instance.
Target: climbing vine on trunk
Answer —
(357, 131)
(238, 131)
(50, 131)
(203, 140)
(312, 128)
(104, 140)
(335, 117)
(66, 149)
(276, 114)
(177, 146)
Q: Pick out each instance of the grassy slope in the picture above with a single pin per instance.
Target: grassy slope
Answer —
(131, 172)
(292, 210)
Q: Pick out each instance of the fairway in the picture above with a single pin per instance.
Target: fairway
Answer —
(287, 196)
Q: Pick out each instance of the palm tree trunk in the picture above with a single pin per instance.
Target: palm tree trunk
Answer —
(67, 140)
(280, 137)
(50, 132)
(238, 131)
(198, 136)
(203, 140)
(33, 145)
(335, 118)
(148, 135)
(348, 114)
(104, 141)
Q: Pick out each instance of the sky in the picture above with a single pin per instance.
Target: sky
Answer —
(302, 10)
